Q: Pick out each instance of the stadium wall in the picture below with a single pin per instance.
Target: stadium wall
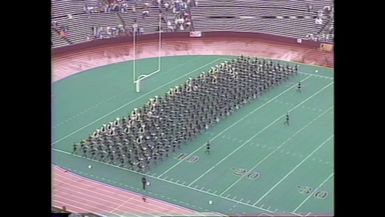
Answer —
(181, 35)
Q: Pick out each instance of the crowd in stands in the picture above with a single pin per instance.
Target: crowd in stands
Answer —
(324, 18)
(181, 13)
(127, 17)
(61, 30)
(175, 16)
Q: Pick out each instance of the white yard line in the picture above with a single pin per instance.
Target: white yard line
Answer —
(232, 125)
(259, 132)
(124, 105)
(319, 76)
(104, 101)
(157, 178)
(315, 190)
(276, 149)
(291, 171)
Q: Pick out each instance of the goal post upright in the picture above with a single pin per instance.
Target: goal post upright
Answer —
(134, 59)
(141, 77)
(159, 39)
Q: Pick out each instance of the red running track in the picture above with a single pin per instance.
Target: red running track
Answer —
(82, 195)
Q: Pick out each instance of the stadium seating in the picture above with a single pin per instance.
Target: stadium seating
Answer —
(241, 16)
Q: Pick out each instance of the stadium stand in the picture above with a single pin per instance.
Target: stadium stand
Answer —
(97, 19)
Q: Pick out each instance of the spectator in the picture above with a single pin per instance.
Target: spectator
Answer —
(106, 9)
(309, 7)
(188, 24)
(145, 13)
(62, 34)
(54, 24)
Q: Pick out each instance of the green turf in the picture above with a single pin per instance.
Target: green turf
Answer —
(254, 139)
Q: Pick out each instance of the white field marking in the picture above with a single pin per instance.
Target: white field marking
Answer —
(319, 76)
(315, 190)
(162, 179)
(112, 211)
(107, 197)
(58, 201)
(115, 188)
(296, 214)
(104, 101)
(291, 171)
(86, 199)
(232, 125)
(259, 132)
(124, 105)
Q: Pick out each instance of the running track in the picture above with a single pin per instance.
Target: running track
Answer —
(82, 195)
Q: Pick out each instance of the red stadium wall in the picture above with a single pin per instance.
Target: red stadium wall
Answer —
(72, 59)
(181, 35)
